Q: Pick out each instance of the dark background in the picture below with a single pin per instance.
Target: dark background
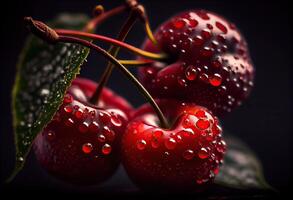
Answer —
(263, 122)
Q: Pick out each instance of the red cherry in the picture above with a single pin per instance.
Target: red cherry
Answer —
(81, 144)
(184, 157)
(209, 62)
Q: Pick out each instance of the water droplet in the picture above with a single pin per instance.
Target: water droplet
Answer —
(94, 127)
(51, 135)
(206, 33)
(21, 159)
(178, 24)
(182, 82)
(203, 124)
(221, 27)
(209, 26)
(157, 134)
(101, 138)
(204, 77)
(104, 117)
(83, 127)
(217, 129)
(69, 122)
(170, 143)
(206, 52)
(202, 14)
(87, 148)
(68, 98)
(141, 145)
(215, 80)
(203, 153)
(115, 120)
(106, 149)
(191, 73)
(201, 114)
(188, 154)
(193, 23)
(78, 114)
(44, 92)
(68, 109)
(110, 135)
(166, 153)
(198, 40)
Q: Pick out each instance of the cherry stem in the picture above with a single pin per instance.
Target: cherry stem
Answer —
(135, 63)
(92, 25)
(113, 50)
(149, 33)
(126, 72)
(140, 52)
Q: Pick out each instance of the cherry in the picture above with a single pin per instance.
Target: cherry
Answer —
(209, 63)
(81, 144)
(185, 157)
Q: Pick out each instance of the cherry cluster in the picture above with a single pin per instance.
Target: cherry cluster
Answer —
(196, 66)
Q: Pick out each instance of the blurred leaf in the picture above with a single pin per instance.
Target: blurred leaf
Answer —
(241, 168)
(44, 72)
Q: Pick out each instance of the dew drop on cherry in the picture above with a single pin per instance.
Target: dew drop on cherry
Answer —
(221, 27)
(94, 127)
(78, 114)
(69, 122)
(206, 52)
(68, 109)
(204, 77)
(106, 149)
(87, 148)
(203, 124)
(110, 135)
(188, 154)
(191, 73)
(179, 24)
(198, 40)
(68, 98)
(202, 14)
(101, 138)
(141, 145)
(201, 114)
(157, 134)
(115, 120)
(182, 82)
(203, 153)
(170, 143)
(51, 135)
(104, 117)
(83, 127)
(206, 33)
(215, 80)
(193, 23)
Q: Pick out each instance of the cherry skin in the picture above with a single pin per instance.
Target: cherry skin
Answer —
(81, 144)
(185, 157)
(209, 62)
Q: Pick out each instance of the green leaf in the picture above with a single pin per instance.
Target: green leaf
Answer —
(241, 168)
(44, 72)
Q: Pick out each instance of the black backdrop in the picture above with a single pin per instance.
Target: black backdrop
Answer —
(264, 121)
